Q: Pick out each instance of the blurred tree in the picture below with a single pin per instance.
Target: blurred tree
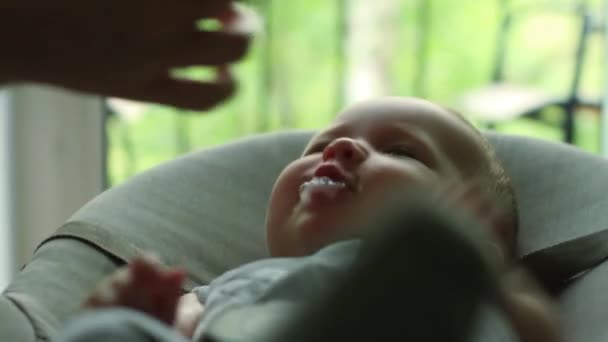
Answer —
(267, 66)
(371, 48)
(424, 20)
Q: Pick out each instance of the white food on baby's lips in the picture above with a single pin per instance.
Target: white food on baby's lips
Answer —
(246, 21)
(322, 181)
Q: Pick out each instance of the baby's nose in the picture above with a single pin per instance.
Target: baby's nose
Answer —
(345, 150)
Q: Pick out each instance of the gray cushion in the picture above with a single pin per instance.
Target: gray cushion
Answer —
(584, 307)
(561, 194)
(561, 190)
(205, 211)
(50, 288)
(14, 324)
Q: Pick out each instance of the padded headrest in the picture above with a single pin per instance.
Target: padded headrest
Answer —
(205, 211)
(561, 197)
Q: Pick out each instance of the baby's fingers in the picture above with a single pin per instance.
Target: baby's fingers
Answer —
(146, 270)
(531, 311)
(167, 297)
(108, 291)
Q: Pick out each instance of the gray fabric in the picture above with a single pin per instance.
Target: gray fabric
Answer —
(561, 190)
(253, 301)
(493, 326)
(557, 265)
(14, 324)
(51, 287)
(275, 280)
(561, 194)
(584, 307)
(204, 211)
(110, 325)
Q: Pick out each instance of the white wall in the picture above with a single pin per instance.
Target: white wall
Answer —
(7, 260)
(55, 150)
(604, 123)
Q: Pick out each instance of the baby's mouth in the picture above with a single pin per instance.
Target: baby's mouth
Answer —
(320, 182)
(320, 190)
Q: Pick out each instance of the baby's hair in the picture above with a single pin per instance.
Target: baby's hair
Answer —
(498, 181)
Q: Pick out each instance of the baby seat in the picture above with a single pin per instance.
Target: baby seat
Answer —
(205, 211)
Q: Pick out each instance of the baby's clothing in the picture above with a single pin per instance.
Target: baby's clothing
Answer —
(251, 302)
(254, 300)
(283, 281)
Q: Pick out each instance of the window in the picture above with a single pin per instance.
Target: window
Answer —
(315, 56)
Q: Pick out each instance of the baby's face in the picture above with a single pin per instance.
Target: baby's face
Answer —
(349, 167)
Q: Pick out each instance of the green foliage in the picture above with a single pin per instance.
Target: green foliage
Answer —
(292, 76)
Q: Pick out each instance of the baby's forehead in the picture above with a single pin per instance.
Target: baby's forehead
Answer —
(392, 107)
(387, 112)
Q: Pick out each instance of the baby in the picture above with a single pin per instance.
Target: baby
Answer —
(370, 150)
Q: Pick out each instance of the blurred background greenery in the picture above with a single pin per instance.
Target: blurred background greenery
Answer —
(316, 56)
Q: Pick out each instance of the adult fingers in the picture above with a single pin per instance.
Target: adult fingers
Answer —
(186, 94)
(207, 8)
(201, 48)
(187, 10)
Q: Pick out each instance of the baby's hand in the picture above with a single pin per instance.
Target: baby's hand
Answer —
(530, 310)
(472, 200)
(478, 202)
(189, 313)
(143, 285)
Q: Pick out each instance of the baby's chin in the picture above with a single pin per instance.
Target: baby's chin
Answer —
(312, 233)
(313, 227)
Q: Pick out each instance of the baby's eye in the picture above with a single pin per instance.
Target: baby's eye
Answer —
(400, 151)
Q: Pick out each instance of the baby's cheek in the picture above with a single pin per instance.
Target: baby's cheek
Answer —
(283, 200)
(402, 178)
(285, 191)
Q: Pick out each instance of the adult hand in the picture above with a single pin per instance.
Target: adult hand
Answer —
(121, 48)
